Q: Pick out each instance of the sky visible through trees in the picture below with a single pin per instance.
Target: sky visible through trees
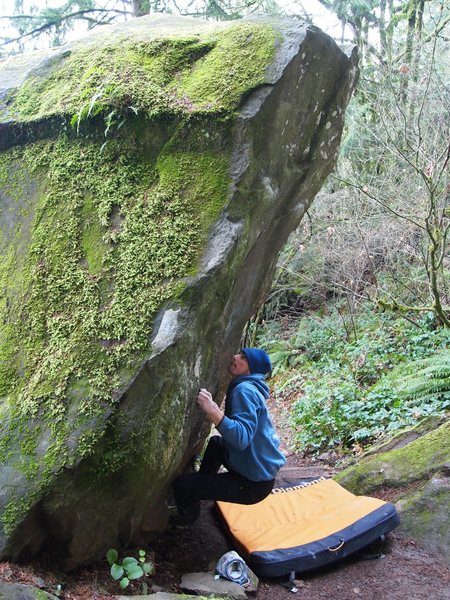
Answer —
(119, 10)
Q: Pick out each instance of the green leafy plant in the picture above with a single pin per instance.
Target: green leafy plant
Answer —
(129, 568)
(347, 393)
(426, 379)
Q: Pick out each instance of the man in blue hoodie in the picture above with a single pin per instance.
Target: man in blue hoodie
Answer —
(248, 445)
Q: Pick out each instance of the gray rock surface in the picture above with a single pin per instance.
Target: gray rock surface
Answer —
(129, 270)
(205, 584)
(424, 515)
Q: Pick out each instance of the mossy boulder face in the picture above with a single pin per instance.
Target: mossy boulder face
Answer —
(417, 469)
(149, 176)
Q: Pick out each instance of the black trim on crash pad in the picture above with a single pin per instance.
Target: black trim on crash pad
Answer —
(306, 557)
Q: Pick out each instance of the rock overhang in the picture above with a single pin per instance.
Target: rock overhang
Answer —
(142, 259)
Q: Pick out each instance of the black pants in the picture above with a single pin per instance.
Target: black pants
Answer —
(208, 484)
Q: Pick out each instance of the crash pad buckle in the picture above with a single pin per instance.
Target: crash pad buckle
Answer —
(290, 583)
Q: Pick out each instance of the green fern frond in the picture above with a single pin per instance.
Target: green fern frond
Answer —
(282, 359)
(423, 378)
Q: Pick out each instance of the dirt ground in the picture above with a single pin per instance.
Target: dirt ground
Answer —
(405, 571)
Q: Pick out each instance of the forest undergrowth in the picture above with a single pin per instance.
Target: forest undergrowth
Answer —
(350, 386)
(358, 318)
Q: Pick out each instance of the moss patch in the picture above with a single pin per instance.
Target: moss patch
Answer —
(94, 247)
(93, 282)
(237, 64)
(115, 232)
(396, 468)
(150, 76)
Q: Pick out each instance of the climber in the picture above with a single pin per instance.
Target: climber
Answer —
(248, 446)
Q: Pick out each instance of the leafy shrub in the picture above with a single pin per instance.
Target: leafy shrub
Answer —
(425, 380)
(391, 375)
(129, 568)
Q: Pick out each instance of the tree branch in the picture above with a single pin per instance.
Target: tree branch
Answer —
(378, 201)
(427, 38)
(59, 20)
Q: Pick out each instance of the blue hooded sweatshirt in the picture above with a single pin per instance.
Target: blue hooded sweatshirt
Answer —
(251, 441)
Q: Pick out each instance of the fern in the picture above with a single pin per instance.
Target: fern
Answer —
(424, 378)
(283, 360)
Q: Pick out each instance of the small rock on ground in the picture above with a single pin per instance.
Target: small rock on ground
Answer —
(252, 586)
(16, 591)
(205, 583)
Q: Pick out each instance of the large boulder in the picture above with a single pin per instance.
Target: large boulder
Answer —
(414, 467)
(149, 176)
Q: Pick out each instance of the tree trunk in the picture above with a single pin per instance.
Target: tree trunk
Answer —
(418, 38)
(412, 18)
(140, 7)
(409, 47)
(384, 50)
(390, 29)
(436, 240)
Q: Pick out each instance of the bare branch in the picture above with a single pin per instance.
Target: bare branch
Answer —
(378, 201)
(434, 34)
(55, 22)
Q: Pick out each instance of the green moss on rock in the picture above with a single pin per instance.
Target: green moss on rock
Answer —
(93, 282)
(403, 466)
(418, 475)
(92, 242)
(222, 77)
(116, 230)
(149, 75)
(405, 436)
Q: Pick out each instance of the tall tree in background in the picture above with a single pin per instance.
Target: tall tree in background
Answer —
(399, 163)
(381, 231)
(379, 25)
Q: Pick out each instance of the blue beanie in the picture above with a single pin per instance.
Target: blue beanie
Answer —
(258, 360)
